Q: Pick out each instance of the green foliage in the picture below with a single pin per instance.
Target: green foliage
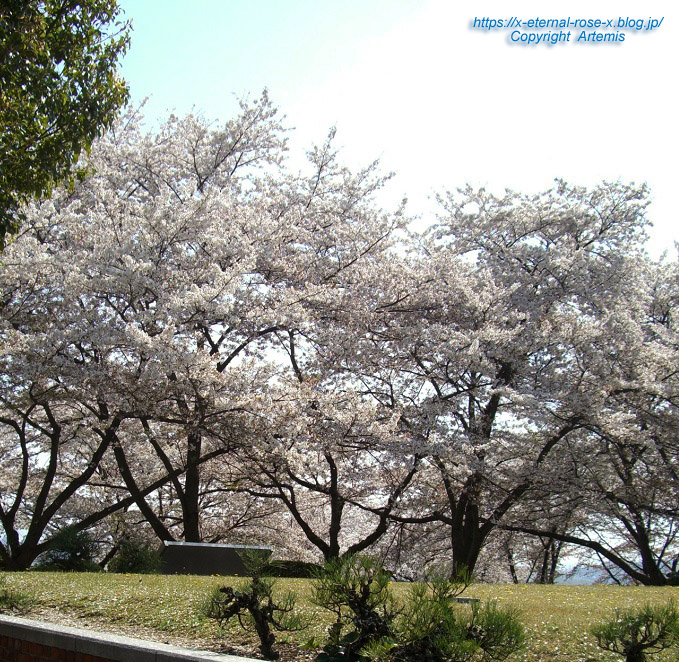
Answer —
(135, 556)
(433, 626)
(356, 590)
(430, 626)
(637, 633)
(497, 631)
(556, 617)
(254, 605)
(58, 91)
(427, 628)
(69, 551)
(12, 600)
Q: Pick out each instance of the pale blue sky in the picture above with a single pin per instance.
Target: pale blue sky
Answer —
(205, 51)
(410, 82)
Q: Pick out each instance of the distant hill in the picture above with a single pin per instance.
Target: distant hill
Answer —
(583, 577)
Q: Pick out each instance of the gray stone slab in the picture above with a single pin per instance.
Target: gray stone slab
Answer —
(184, 655)
(197, 558)
(114, 647)
(38, 632)
(468, 601)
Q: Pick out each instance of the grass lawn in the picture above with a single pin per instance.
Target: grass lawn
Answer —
(166, 608)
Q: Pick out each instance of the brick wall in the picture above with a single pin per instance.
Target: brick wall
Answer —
(17, 650)
(25, 640)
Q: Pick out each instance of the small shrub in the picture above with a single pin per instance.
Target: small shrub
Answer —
(135, 556)
(69, 551)
(426, 629)
(356, 590)
(637, 633)
(13, 601)
(254, 605)
(433, 626)
(497, 631)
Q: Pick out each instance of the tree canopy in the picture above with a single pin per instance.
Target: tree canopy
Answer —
(58, 91)
(202, 344)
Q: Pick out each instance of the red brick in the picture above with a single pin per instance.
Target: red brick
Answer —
(58, 654)
(7, 650)
(35, 650)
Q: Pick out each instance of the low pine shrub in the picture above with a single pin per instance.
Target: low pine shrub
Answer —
(431, 625)
(637, 633)
(356, 590)
(254, 605)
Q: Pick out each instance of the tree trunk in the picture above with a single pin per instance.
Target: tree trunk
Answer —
(467, 532)
(21, 561)
(466, 537)
(510, 562)
(190, 505)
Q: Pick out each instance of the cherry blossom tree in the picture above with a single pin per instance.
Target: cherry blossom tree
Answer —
(624, 467)
(479, 349)
(97, 318)
(206, 340)
(169, 283)
(329, 461)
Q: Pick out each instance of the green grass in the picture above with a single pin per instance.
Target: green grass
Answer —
(557, 618)
(12, 600)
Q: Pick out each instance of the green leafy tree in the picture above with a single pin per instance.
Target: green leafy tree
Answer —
(135, 556)
(70, 551)
(58, 91)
